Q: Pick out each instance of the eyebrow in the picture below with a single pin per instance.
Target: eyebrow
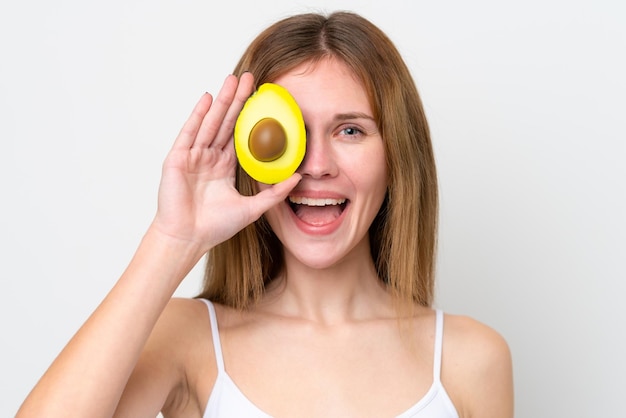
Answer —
(353, 115)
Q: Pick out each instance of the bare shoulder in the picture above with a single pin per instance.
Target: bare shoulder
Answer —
(182, 316)
(176, 364)
(474, 339)
(477, 368)
(183, 325)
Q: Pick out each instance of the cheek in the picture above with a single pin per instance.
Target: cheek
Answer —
(273, 217)
(370, 171)
(272, 214)
(378, 180)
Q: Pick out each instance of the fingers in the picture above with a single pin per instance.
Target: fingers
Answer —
(212, 121)
(214, 117)
(244, 90)
(188, 133)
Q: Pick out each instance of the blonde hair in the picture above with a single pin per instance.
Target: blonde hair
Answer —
(403, 236)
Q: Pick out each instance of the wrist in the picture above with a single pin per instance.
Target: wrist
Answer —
(165, 259)
(161, 237)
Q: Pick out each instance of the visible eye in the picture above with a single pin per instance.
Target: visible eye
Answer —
(351, 131)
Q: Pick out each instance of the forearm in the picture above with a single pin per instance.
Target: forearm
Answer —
(89, 375)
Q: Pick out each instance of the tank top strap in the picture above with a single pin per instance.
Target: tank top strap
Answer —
(438, 345)
(217, 345)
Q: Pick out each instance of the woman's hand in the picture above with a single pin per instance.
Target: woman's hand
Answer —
(198, 207)
(198, 201)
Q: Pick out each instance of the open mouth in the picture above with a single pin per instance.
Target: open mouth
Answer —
(317, 211)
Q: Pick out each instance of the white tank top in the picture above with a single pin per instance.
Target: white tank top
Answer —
(227, 401)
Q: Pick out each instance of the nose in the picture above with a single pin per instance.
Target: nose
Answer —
(319, 160)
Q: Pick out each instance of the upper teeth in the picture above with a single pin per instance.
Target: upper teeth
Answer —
(309, 201)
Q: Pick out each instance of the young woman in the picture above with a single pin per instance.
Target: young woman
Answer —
(318, 289)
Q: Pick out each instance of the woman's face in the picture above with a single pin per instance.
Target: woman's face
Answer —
(344, 176)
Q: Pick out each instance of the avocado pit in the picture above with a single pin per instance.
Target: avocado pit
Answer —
(267, 140)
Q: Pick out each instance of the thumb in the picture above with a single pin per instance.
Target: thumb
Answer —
(267, 198)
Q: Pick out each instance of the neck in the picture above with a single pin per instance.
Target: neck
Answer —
(346, 291)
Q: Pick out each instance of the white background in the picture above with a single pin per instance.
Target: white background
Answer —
(526, 102)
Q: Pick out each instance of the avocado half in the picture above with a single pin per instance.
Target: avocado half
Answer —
(270, 137)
